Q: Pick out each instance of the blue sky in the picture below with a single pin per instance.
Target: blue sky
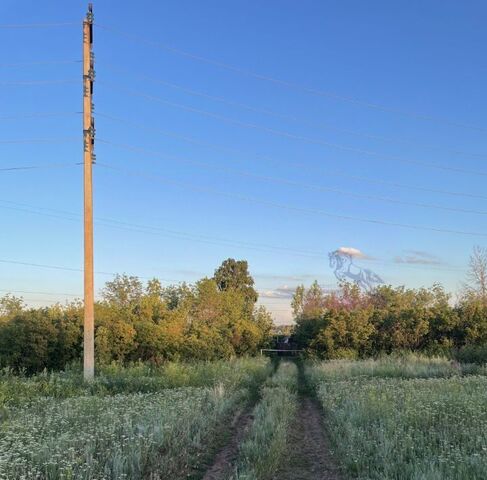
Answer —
(256, 125)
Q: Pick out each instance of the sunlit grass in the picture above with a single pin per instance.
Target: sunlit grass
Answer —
(393, 366)
(386, 424)
(57, 427)
(266, 441)
(112, 379)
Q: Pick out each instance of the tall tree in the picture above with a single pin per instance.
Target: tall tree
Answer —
(234, 275)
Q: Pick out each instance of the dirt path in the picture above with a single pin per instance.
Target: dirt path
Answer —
(309, 456)
(226, 457)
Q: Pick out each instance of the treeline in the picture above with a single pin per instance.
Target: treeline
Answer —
(350, 323)
(214, 318)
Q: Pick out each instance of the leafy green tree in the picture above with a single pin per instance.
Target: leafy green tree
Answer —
(234, 275)
(123, 292)
(10, 305)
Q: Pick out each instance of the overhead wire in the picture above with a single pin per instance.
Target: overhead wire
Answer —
(21, 83)
(41, 140)
(280, 162)
(285, 181)
(39, 167)
(163, 231)
(290, 135)
(283, 116)
(156, 230)
(37, 25)
(308, 211)
(39, 62)
(41, 293)
(37, 115)
(292, 85)
(72, 269)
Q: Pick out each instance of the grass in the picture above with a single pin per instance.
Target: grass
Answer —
(55, 427)
(264, 445)
(407, 418)
(16, 390)
(393, 366)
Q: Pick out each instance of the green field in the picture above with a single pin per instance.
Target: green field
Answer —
(393, 418)
(410, 418)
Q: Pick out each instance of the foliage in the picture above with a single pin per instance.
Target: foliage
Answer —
(349, 323)
(472, 354)
(234, 275)
(213, 319)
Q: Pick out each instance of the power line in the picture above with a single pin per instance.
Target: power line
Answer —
(280, 162)
(71, 269)
(38, 25)
(27, 83)
(303, 210)
(39, 167)
(41, 62)
(41, 140)
(290, 135)
(156, 230)
(37, 115)
(186, 235)
(161, 231)
(284, 116)
(293, 183)
(42, 293)
(288, 84)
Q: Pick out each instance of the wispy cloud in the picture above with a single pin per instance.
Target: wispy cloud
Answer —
(419, 257)
(289, 278)
(280, 292)
(287, 292)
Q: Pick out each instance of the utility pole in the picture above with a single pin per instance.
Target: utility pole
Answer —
(88, 160)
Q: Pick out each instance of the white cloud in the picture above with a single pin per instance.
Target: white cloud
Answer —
(353, 252)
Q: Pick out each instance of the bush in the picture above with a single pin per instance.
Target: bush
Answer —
(472, 354)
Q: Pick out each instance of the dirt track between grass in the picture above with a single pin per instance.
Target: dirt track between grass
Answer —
(223, 465)
(309, 456)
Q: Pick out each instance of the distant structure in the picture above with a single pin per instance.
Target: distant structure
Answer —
(345, 269)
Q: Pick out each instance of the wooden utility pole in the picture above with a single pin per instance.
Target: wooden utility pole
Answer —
(88, 158)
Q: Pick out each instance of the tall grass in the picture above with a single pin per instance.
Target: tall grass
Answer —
(129, 423)
(238, 373)
(393, 366)
(265, 443)
(122, 436)
(389, 421)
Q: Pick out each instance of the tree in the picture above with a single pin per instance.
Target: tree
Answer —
(123, 291)
(308, 308)
(477, 273)
(10, 305)
(175, 295)
(234, 275)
